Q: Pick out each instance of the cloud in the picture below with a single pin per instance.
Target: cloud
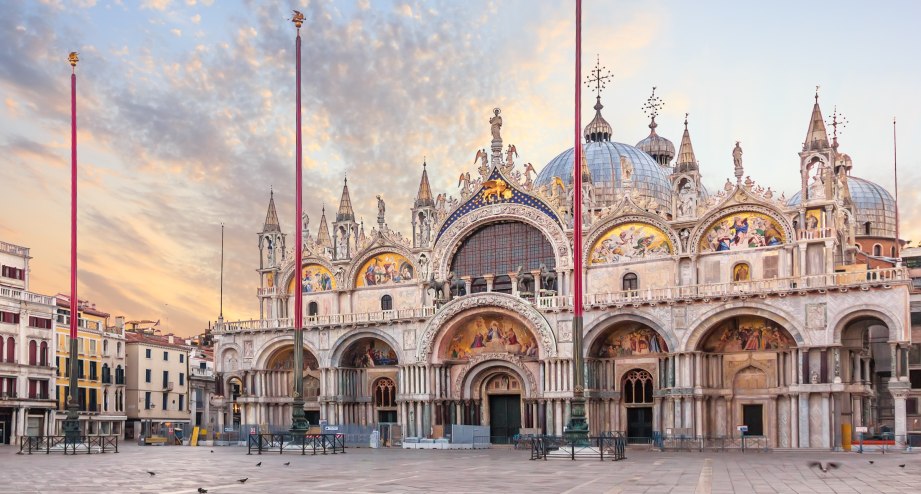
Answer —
(160, 5)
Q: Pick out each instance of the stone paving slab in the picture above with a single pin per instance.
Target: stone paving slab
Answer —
(185, 469)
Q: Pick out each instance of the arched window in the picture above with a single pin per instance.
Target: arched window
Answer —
(313, 309)
(105, 399)
(631, 282)
(877, 250)
(105, 347)
(119, 375)
(43, 354)
(118, 349)
(892, 251)
(10, 349)
(866, 228)
(33, 352)
(385, 392)
(386, 302)
(478, 285)
(637, 387)
(499, 249)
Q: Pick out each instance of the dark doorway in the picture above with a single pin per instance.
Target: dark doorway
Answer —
(753, 417)
(313, 416)
(6, 426)
(504, 417)
(639, 424)
(387, 416)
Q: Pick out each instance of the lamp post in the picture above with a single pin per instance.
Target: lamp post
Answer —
(298, 418)
(71, 423)
(577, 428)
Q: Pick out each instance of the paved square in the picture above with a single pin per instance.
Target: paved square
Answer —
(185, 469)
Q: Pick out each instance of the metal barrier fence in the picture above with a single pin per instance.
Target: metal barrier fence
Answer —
(315, 443)
(885, 442)
(609, 446)
(60, 444)
(712, 443)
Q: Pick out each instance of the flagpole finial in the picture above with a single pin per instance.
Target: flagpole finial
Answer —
(297, 19)
(73, 59)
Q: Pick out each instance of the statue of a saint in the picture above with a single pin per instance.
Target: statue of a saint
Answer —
(496, 124)
(380, 209)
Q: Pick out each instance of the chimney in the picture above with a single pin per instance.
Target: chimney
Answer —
(120, 324)
(170, 338)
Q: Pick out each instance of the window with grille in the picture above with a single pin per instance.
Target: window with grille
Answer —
(637, 387)
(499, 248)
(313, 309)
(385, 392)
(386, 302)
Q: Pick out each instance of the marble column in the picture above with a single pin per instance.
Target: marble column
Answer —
(900, 393)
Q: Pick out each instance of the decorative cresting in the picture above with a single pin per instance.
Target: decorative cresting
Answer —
(741, 226)
(517, 366)
(355, 268)
(457, 306)
(497, 189)
(614, 241)
(448, 243)
(287, 271)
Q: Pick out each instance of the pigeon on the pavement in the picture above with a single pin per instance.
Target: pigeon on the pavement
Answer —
(871, 462)
(202, 490)
(243, 481)
(151, 473)
(823, 467)
(902, 465)
(287, 463)
(259, 464)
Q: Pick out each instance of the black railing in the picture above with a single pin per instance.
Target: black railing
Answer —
(60, 444)
(712, 443)
(286, 441)
(611, 447)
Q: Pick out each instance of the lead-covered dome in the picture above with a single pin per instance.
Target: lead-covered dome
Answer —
(603, 158)
(873, 204)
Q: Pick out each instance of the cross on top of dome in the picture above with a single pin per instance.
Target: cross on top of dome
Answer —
(598, 129)
(652, 106)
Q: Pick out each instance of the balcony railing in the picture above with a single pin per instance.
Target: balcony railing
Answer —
(25, 296)
(814, 234)
(704, 291)
(8, 395)
(199, 372)
(13, 249)
(742, 288)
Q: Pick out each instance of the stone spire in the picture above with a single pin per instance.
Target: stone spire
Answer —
(323, 238)
(817, 135)
(686, 159)
(345, 212)
(271, 216)
(424, 196)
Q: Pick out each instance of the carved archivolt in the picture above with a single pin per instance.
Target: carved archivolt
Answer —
(448, 243)
(707, 221)
(516, 364)
(537, 322)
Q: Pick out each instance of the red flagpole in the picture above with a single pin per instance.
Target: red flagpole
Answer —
(298, 233)
(577, 171)
(74, 316)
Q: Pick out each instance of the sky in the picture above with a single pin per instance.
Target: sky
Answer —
(186, 115)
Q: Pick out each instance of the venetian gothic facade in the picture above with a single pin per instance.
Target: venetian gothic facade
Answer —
(704, 310)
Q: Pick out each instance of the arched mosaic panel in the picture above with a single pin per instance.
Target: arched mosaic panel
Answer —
(630, 241)
(316, 278)
(741, 230)
(385, 269)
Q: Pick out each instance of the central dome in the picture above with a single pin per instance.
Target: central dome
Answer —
(603, 158)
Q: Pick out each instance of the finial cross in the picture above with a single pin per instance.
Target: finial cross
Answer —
(653, 105)
(837, 120)
(599, 77)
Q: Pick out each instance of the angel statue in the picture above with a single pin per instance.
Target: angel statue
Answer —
(464, 181)
(512, 150)
(483, 157)
(528, 170)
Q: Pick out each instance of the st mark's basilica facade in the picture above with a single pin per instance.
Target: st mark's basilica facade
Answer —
(704, 310)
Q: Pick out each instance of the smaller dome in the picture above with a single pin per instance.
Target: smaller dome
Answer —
(598, 129)
(660, 148)
(875, 207)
